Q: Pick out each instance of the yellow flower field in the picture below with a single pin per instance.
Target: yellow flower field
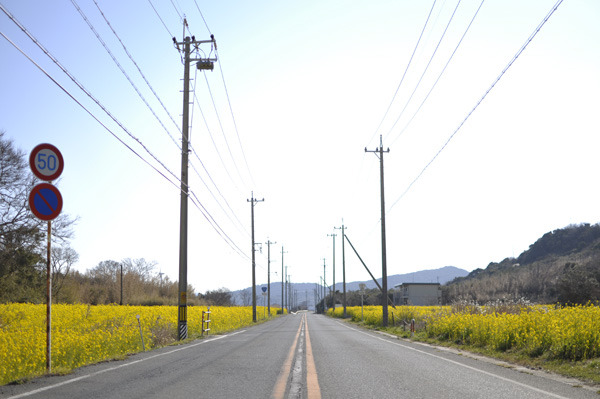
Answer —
(570, 333)
(83, 334)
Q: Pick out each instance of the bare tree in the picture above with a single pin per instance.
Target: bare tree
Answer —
(61, 261)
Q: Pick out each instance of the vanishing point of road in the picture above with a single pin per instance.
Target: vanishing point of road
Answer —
(300, 355)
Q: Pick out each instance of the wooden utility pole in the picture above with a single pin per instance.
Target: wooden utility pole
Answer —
(282, 281)
(201, 63)
(343, 267)
(384, 301)
(253, 201)
(333, 293)
(269, 275)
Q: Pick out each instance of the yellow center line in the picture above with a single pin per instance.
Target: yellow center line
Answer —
(281, 384)
(312, 382)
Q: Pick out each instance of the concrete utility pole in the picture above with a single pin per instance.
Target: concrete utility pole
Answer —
(282, 280)
(253, 201)
(333, 294)
(269, 275)
(287, 290)
(324, 288)
(343, 267)
(201, 63)
(384, 300)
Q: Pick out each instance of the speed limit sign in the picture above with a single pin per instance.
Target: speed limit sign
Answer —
(46, 162)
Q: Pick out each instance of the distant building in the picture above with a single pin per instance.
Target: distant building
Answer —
(418, 294)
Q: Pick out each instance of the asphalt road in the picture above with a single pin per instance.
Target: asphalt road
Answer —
(300, 356)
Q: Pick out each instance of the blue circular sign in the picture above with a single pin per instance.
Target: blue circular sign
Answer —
(45, 201)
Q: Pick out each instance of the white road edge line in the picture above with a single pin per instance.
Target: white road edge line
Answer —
(458, 364)
(25, 394)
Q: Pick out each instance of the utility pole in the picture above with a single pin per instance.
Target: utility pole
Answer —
(253, 201)
(269, 275)
(282, 280)
(285, 301)
(121, 301)
(384, 300)
(201, 63)
(343, 267)
(333, 294)
(324, 288)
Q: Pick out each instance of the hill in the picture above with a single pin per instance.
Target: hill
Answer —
(561, 266)
(305, 291)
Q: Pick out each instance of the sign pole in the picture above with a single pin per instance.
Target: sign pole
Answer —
(49, 303)
(45, 202)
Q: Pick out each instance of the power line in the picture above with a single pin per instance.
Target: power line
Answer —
(207, 173)
(215, 144)
(233, 117)
(140, 71)
(222, 130)
(405, 71)
(161, 20)
(440, 75)
(227, 96)
(205, 24)
(197, 203)
(49, 55)
(112, 56)
(426, 68)
(514, 58)
(85, 109)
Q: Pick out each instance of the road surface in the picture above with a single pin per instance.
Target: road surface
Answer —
(299, 356)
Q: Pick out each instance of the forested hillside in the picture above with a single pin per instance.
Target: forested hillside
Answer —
(562, 266)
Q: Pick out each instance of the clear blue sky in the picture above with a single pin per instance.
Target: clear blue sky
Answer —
(309, 83)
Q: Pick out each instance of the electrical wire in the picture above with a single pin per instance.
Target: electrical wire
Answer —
(112, 56)
(161, 20)
(439, 76)
(87, 110)
(195, 200)
(82, 88)
(404, 74)
(228, 98)
(140, 71)
(233, 118)
(511, 62)
(222, 130)
(208, 174)
(205, 24)
(425, 70)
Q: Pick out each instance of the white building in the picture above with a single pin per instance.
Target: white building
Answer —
(418, 294)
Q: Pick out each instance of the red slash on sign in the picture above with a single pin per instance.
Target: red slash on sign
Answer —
(45, 201)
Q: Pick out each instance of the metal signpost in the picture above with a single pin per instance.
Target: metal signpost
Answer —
(45, 201)
(264, 294)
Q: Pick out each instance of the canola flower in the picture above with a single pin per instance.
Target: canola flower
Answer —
(569, 333)
(84, 334)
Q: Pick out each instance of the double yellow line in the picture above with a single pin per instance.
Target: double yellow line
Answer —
(312, 382)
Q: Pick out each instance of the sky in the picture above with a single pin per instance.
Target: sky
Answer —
(298, 92)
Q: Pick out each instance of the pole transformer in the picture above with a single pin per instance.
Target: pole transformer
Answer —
(252, 202)
(384, 300)
(201, 63)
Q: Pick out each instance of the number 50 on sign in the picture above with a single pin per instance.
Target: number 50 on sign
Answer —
(46, 162)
